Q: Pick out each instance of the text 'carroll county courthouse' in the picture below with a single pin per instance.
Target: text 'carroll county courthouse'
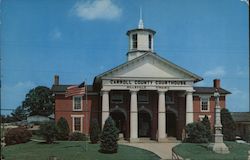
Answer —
(147, 96)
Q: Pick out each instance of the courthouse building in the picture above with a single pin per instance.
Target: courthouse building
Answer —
(147, 96)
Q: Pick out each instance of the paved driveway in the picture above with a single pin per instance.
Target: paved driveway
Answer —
(163, 150)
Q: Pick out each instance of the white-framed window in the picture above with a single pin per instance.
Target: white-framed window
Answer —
(204, 104)
(77, 103)
(134, 41)
(149, 41)
(117, 98)
(143, 97)
(77, 123)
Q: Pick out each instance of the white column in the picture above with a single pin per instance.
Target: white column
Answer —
(161, 117)
(105, 106)
(133, 117)
(189, 107)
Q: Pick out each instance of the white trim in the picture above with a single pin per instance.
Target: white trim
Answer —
(208, 103)
(73, 122)
(73, 102)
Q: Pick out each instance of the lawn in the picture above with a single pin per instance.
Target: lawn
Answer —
(200, 151)
(72, 150)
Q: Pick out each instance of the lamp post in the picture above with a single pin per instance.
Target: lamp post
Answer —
(218, 145)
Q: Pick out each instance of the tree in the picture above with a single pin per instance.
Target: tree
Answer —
(48, 130)
(19, 113)
(94, 131)
(196, 132)
(62, 129)
(228, 125)
(109, 137)
(39, 101)
(205, 121)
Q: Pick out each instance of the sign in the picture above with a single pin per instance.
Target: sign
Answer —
(143, 84)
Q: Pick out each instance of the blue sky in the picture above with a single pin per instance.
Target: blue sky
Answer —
(80, 39)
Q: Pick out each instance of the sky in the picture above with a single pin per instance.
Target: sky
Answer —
(78, 40)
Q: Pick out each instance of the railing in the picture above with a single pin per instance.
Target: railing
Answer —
(175, 155)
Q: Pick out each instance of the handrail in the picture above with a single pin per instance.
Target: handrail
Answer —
(175, 155)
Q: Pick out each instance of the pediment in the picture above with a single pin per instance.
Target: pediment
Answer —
(149, 66)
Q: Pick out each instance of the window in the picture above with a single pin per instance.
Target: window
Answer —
(117, 98)
(77, 124)
(143, 97)
(204, 103)
(149, 41)
(134, 41)
(77, 103)
(169, 98)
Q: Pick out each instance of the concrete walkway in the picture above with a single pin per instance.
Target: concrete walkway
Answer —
(163, 150)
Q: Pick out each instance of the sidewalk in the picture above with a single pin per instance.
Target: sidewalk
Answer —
(163, 150)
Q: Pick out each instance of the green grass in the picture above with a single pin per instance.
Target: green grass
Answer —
(72, 150)
(200, 151)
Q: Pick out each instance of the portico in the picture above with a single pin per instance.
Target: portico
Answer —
(145, 90)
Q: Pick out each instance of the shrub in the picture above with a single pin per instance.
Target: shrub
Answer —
(76, 136)
(205, 121)
(17, 135)
(62, 129)
(109, 137)
(94, 131)
(48, 130)
(196, 133)
(229, 128)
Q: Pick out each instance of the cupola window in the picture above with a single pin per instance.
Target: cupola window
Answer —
(134, 40)
(149, 41)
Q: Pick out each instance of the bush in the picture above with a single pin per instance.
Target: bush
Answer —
(94, 131)
(76, 136)
(62, 129)
(196, 133)
(109, 137)
(17, 135)
(228, 125)
(205, 121)
(48, 130)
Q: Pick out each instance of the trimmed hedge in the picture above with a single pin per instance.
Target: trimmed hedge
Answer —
(17, 135)
(76, 136)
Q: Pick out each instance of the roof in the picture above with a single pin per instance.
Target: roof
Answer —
(196, 77)
(210, 90)
(139, 29)
(62, 88)
(241, 116)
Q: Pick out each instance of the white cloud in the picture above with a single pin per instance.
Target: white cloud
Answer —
(97, 9)
(56, 34)
(216, 72)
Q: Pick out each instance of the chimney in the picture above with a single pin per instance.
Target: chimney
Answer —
(216, 83)
(56, 80)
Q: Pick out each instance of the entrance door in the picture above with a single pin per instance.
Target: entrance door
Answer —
(119, 119)
(171, 124)
(144, 124)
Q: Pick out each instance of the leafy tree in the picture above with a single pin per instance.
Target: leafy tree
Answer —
(109, 137)
(48, 130)
(39, 101)
(94, 131)
(62, 129)
(196, 132)
(205, 121)
(19, 114)
(228, 125)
